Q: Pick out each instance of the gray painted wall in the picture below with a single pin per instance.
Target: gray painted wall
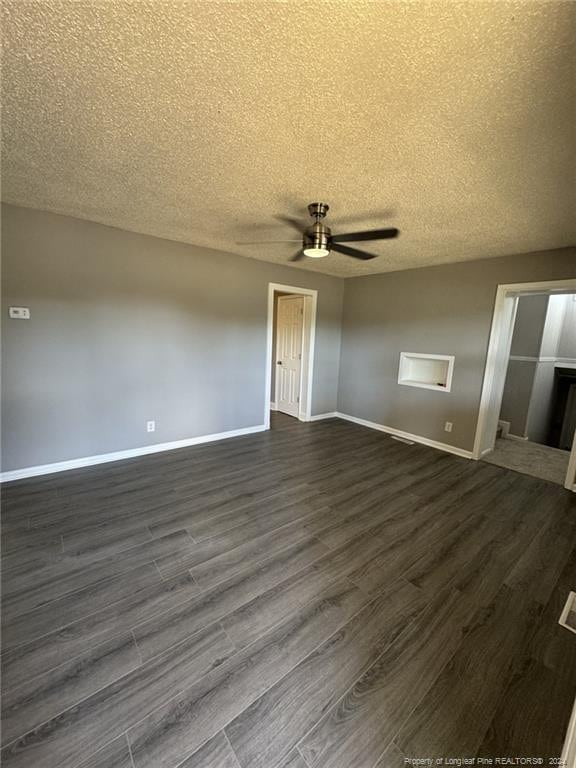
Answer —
(526, 341)
(567, 342)
(517, 393)
(127, 328)
(540, 406)
(558, 330)
(545, 326)
(529, 325)
(446, 310)
(553, 325)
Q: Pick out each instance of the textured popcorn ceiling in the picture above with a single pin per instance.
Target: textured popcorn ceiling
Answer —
(199, 121)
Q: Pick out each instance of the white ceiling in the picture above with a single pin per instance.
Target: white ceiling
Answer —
(202, 120)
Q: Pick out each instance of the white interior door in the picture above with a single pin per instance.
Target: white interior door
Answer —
(289, 329)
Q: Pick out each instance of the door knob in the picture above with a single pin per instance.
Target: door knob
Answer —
(279, 362)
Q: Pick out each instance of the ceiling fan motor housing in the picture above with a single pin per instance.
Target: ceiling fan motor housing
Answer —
(317, 236)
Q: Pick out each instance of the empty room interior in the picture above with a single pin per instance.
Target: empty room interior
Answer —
(288, 383)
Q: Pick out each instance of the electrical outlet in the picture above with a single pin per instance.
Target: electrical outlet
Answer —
(150, 426)
(19, 313)
(448, 426)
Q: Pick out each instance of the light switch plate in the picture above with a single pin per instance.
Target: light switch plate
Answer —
(19, 313)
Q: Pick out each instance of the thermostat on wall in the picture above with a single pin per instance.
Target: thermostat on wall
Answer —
(19, 313)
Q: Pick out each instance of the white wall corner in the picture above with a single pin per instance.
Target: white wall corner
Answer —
(321, 416)
(505, 435)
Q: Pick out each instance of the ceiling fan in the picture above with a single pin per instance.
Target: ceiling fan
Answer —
(318, 240)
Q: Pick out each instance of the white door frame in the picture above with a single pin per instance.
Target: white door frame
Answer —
(309, 338)
(278, 372)
(498, 353)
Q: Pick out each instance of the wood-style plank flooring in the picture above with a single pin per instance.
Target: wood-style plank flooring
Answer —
(316, 596)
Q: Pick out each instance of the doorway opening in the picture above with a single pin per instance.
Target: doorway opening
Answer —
(291, 331)
(528, 408)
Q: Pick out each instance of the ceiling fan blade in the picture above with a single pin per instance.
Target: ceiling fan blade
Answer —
(295, 223)
(297, 256)
(347, 251)
(370, 234)
(260, 242)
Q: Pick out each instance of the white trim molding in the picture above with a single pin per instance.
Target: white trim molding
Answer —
(105, 458)
(408, 436)
(309, 330)
(558, 360)
(322, 416)
(529, 359)
(505, 435)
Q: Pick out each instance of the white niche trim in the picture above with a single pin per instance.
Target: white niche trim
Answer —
(426, 371)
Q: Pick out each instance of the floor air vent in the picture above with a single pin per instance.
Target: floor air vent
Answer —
(402, 439)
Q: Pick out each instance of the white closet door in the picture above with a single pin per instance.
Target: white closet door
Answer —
(289, 326)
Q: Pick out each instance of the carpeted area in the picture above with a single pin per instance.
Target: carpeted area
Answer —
(531, 459)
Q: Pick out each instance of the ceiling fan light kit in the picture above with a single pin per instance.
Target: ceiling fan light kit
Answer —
(318, 241)
(314, 252)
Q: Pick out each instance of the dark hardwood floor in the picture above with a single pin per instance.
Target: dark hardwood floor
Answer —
(316, 596)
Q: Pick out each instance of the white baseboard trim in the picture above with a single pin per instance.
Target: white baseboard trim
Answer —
(273, 407)
(408, 436)
(506, 434)
(104, 458)
(320, 416)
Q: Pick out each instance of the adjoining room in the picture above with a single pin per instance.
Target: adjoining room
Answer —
(538, 411)
(288, 384)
